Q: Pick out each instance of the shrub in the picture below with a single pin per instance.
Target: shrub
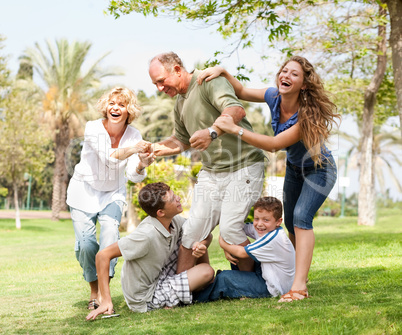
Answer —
(163, 171)
(3, 192)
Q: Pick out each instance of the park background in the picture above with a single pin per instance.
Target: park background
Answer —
(132, 41)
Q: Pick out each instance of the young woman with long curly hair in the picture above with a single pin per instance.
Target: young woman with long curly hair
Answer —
(302, 118)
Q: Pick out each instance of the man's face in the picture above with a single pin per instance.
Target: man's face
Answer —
(165, 81)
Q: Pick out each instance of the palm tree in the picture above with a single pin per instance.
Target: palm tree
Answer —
(157, 119)
(68, 91)
(387, 147)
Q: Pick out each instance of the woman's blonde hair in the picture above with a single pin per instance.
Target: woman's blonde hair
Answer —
(316, 113)
(133, 108)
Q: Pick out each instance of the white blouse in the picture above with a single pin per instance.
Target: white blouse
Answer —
(98, 179)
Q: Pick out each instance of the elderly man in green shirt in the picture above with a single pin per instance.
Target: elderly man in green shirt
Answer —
(232, 173)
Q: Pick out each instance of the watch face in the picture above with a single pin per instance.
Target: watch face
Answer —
(212, 133)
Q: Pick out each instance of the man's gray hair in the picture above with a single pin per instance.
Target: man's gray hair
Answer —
(169, 60)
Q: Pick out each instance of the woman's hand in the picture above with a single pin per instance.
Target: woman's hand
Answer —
(146, 158)
(124, 153)
(104, 308)
(209, 74)
(226, 123)
(143, 146)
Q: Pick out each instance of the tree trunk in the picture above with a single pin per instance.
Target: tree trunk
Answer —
(60, 171)
(367, 198)
(17, 207)
(63, 193)
(395, 13)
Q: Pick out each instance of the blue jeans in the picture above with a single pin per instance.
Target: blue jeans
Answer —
(304, 191)
(86, 245)
(234, 284)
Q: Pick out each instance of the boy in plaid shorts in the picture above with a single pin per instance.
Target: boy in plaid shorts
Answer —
(149, 280)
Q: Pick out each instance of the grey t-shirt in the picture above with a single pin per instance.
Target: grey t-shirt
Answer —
(145, 252)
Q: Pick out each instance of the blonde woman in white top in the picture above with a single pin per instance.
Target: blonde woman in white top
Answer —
(112, 152)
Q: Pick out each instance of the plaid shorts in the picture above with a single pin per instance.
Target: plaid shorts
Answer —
(172, 289)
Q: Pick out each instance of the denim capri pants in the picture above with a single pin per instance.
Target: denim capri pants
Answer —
(304, 191)
(86, 244)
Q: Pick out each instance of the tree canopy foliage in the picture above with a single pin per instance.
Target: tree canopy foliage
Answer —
(25, 141)
(4, 71)
(341, 31)
(348, 39)
(237, 21)
(69, 92)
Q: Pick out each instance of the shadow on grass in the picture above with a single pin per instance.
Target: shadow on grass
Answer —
(344, 300)
(119, 305)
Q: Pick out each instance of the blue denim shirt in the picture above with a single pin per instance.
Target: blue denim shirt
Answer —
(297, 153)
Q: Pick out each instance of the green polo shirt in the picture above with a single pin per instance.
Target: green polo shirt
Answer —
(145, 252)
(198, 109)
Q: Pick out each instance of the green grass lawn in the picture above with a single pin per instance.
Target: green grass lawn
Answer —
(355, 284)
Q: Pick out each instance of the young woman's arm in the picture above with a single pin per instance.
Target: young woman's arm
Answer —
(268, 143)
(244, 93)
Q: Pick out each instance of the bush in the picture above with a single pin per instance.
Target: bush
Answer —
(3, 192)
(195, 169)
(330, 208)
(163, 171)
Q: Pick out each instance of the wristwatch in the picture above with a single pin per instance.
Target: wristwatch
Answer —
(241, 132)
(212, 133)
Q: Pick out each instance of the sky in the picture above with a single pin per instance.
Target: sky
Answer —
(132, 41)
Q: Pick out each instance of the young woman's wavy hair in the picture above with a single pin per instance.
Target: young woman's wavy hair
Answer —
(129, 97)
(317, 113)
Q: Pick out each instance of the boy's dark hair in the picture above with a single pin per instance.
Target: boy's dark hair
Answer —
(270, 204)
(152, 197)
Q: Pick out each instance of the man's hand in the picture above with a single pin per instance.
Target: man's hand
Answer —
(157, 148)
(201, 140)
(104, 308)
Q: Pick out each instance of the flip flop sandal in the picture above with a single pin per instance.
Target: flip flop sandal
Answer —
(291, 295)
(93, 304)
